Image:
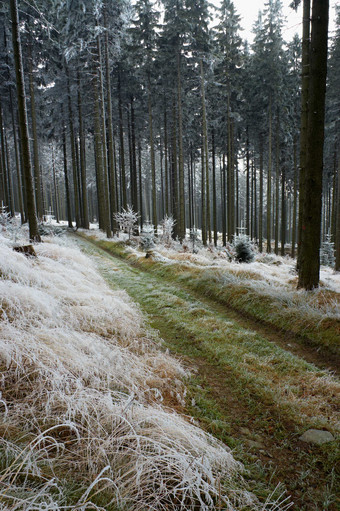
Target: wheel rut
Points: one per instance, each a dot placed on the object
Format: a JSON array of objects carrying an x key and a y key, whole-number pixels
[{"x": 256, "y": 428}]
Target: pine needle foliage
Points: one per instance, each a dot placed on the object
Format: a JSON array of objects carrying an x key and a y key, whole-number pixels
[{"x": 244, "y": 249}]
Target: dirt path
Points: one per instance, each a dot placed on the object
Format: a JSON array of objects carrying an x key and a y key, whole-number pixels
[{"x": 224, "y": 399}]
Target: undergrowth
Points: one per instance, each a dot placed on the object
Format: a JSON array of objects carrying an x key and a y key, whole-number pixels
[
  {"x": 85, "y": 394},
  {"x": 313, "y": 317}
]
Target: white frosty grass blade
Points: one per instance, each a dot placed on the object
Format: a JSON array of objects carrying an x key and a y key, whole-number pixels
[{"x": 82, "y": 387}]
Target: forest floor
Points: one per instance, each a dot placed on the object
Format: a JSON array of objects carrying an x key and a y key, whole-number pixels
[{"x": 252, "y": 385}]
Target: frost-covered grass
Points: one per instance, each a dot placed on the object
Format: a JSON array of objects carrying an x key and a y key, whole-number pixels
[
  {"x": 85, "y": 396},
  {"x": 264, "y": 289},
  {"x": 277, "y": 393}
]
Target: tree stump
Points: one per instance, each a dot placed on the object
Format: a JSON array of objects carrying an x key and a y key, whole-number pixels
[{"x": 27, "y": 250}]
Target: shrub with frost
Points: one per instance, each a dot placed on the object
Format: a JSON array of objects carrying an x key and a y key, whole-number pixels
[
  {"x": 167, "y": 224},
  {"x": 244, "y": 249},
  {"x": 327, "y": 257},
  {"x": 147, "y": 237},
  {"x": 127, "y": 220},
  {"x": 193, "y": 238}
]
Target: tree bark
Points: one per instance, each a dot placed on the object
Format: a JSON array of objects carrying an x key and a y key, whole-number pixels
[
  {"x": 25, "y": 149},
  {"x": 269, "y": 181},
  {"x": 85, "y": 214},
  {"x": 36, "y": 165},
  {"x": 309, "y": 264},
  {"x": 181, "y": 227},
  {"x": 305, "y": 64}
]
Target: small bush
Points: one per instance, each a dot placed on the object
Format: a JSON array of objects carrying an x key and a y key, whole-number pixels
[
  {"x": 168, "y": 227},
  {"x": 244, "y": 249},
  {"x": 147, "y": 239},
  {"x": 327, "y": 252},
  {"x": 127, "y": 220}
]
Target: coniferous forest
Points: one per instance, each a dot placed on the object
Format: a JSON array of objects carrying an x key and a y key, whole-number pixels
[{"x": 162, "y": 107}]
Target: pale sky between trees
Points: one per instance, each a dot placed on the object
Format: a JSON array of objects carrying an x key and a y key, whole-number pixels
[{"x": 248, "y": 10}]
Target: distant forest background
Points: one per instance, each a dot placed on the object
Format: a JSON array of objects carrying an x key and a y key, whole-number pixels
[{"x": 151, "y": 105}]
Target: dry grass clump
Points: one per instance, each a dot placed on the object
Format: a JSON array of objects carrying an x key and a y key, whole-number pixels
[{"x": 83, "y": 425}]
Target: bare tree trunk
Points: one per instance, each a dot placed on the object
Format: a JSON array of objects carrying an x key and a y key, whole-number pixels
[
  {"x": 181, "y": 209},
  {"x": 67, "y": 188},
  {"x": 248, "y": 230},
  {"x": 269, "y": 181},
  {"x": 121, "y": 145},
  {"x": 309, "y": 264},
  {"x": 214, "y": 187},
  {"x": 337, "y": 222},
  {"x": 305, "y": 64},
  {"x": 85, "y": 214},
  {"x": 295, "y": 198},
  {"x": 261, "y": 199},
  {"x": 153, "y": 163},
  {"x": 36, "y": 165},
  {"x": 25, "y": 149},
  {"x": 166, "y": 166}
]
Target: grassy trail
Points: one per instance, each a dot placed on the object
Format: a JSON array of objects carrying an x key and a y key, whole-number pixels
[{"x": 245, "y": 389}]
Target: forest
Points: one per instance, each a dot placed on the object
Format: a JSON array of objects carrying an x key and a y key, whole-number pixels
[
  {"x": 169, "y": 257},
  {"x": 163, "y": 108}
]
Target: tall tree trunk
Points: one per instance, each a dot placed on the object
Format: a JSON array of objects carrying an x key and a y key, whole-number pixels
[
  {"x": 337, "y": 221},
  {"x": 36, "y": 165},
  {"x": 295, "y": 197},
  {"x": 153, "y": 162},
  {"x": 3, "y": 165},
  {"x": 283, "y": 212},
  {"x": 67, "y": 188},
  {"x": 181, "y": 227},
  {"x": 255, "y": 201},
  {"x": 166, "y": 166},
  {"x": 248, "y": 231},
  {"x": 25, "y": 149},
  {"x": 214, "y": 187},
  {"x": 121, "y": 144},
  {"x": 305, "y": 65},
  {"x": 85, "y": 214},
  {"x": 309, "y": 264},
  {"x": 56, "y": 209},
  {"x": 141, "y": 208},
  {"x": 17, "y": 159},
  {"x": 277, "y": 187},
  {"x": 174, "y": 173},
  {"x": 230, "y": 201},
  {"x": 134, "y": 186},
  {"x": 103, "y": 138},
  {"x": 73, "y": 151},
  {"x": 98, "y": 143},
  {"x": 269, "y": 181},
  {"x": 261, "y": 199},
  {"x": 9, "y": 180},
  {"x": 203, "y": 197},
  {"x": 224, "y": 202},
  {"x": 110, "y": 142}
]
